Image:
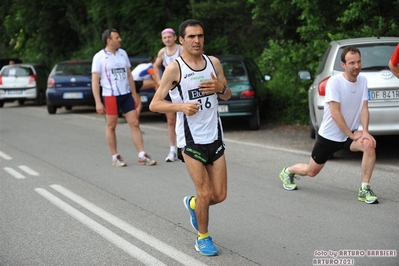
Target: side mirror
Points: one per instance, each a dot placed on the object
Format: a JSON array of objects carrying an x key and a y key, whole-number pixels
[{"x": 304, "y": 75}]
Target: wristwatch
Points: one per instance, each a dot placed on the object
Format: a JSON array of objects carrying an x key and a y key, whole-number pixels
[{"x": 224, "y": 90}]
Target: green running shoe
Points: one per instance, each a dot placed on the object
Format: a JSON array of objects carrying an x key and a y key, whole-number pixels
[
  {"x": 367, "y": 195},
  {"x": 288, "y": 180}
]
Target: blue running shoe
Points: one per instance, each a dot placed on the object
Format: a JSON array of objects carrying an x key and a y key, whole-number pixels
[
  {"x": 193, "y": 219},
  {"x": 206, "y": 247}
]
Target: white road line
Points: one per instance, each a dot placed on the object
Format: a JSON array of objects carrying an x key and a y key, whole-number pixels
[
  {"x": 381, "y": 166},
  {"x": 28, "y": 170},
  {"x": 118, "y": 241},
  {"x": 14, "y": 173},
  {"x": 393, "y": 167},
  {"x": 267, "y": 147},
  {"x": 128, "y": 228},
  {"x": 5, "y": 156}
]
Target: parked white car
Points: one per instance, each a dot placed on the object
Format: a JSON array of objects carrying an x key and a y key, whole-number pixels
[
  {"x": 382, "y": 84},
  {"x": 23, "y": 82}
]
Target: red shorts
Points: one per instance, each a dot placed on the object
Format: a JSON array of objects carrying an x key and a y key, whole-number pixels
[{"x": 114, "y": 103}]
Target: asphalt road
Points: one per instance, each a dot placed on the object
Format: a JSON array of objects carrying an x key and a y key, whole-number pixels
[{"x": 62, "y": 203}]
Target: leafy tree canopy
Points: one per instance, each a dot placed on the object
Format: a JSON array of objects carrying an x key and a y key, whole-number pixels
[{"x": 282, "y": 36}]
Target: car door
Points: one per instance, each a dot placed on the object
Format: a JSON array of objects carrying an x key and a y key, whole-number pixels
[{"x": 257, "y": 79}]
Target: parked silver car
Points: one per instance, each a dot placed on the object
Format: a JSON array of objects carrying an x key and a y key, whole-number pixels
[{"x": 382, "y": 84}]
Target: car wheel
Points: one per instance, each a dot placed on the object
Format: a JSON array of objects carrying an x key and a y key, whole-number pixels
[
  {"x": 21, "y": 102},
  {"x": 1, "y": 104},
  {"x": 51, "y": 109},
  {"x": 254, "y": 120},
  {"x": 68, "y": 107},
  {"x": 312, "y": 130}
]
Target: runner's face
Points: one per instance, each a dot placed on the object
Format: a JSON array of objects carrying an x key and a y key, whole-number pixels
[
  {"x": 353, "y": 64},
  {"x": 193, "y": 40},
  {"x": 168, "y": 39},
  {"x": 115, "y": 40}
]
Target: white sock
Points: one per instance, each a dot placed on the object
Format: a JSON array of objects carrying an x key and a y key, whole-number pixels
[
  {"x": 173, "y": 149},
  {"x": 114, "y": 156},
  {"x": 364, "y": 184},
  {"x": 141, "y": 154},
  {"x": 286, "y": 171}
]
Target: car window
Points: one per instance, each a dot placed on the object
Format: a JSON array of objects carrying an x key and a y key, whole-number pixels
[
  {"x": 134, "y": 64},
  {"x": 17, "y": 71},
  {"x": 254, "y": 71},
  {"x": 374, "y": 56},
  {"x": 83, "y": 69},
  {"x": 323, "y": 60},
  {"x": 136, "y": 61},
  {"x": 234, "y": 71}
]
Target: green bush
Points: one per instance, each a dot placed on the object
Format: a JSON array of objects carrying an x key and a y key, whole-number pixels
[{"x": 288, "y": 101}]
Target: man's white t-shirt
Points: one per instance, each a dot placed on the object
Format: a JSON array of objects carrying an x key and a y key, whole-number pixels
[
  {"x": 113, "y": 72},
  {"x": 351, "y": 96}
]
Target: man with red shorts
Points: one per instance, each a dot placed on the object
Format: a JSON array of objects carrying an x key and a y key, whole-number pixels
[{"x": 111, "y": 70}]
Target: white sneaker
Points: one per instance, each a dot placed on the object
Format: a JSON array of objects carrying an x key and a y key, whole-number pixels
[
  {"x": 118, "y": 162},
  {"x": 171, "y": 157},
  {"x": 146, "y": 160}
]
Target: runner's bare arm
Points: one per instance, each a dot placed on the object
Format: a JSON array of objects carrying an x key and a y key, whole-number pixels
[
  {"x": 95, "y": 81},
  {"x": 169, "y": 80},
  {"x": 218, "y": 82},
  {"x": 158, "y": 65}
]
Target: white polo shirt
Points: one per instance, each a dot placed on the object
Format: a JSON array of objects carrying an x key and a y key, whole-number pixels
[{"x": 113, "y": 70}]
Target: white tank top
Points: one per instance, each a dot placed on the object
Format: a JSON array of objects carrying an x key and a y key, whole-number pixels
[
  {"x": 167, "y": 60},
  {"x": 205, "y": 126}
]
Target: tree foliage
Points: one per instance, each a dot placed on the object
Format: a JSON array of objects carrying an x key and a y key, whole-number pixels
[{"x": 282, "y": 36}]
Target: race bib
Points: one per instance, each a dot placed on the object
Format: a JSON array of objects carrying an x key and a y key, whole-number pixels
[
  {"x": 207, "y": 101},
  {"x": 119, "y": 73}
]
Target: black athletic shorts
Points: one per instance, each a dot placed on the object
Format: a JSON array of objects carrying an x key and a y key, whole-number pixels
[
  {"x": 205, "y": 153},
  {"x": 139, "y": 85},
  {"x": 325, "y": 148}
]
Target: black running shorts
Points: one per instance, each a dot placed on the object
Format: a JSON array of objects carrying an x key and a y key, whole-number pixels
[
  {"x": 325, "y": 148},
  {"x": 205, "y": 153}
]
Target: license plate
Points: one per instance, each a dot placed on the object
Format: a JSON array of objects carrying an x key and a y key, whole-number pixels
[
  {"x": 223, "y": 108},
  {"x": 14, "y": 92},
  {"x": 144, "y": 98},
  {"x": 72, "y": 95},
  {"x": 387, "y": 95}
]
